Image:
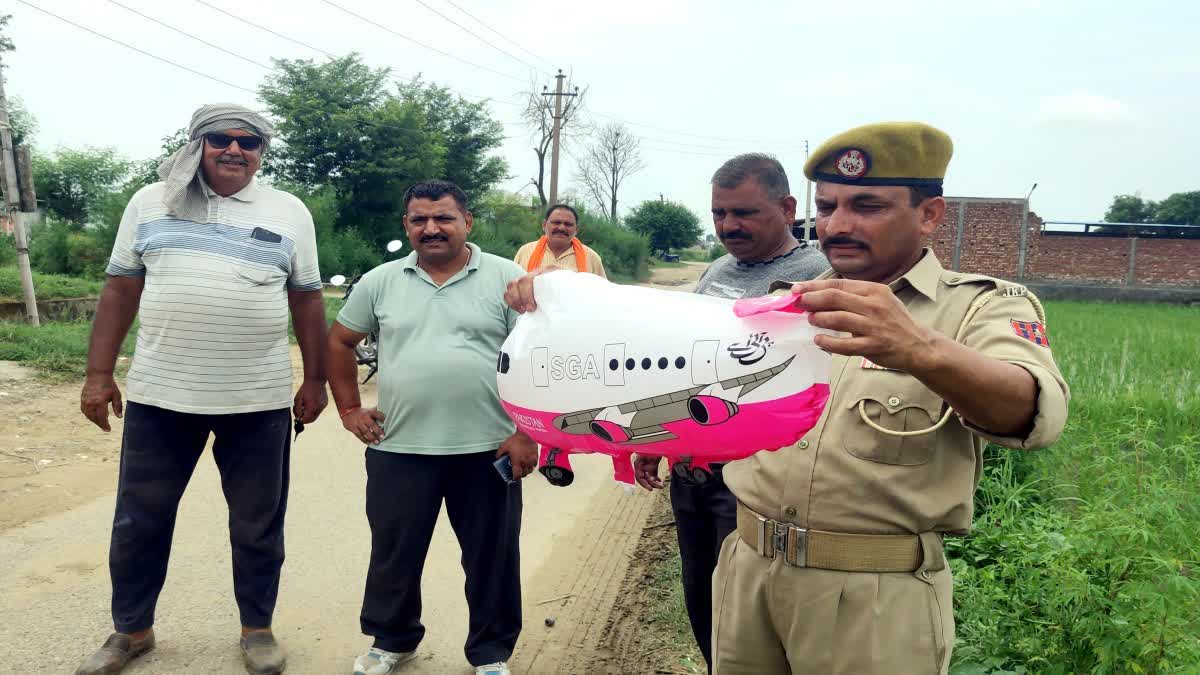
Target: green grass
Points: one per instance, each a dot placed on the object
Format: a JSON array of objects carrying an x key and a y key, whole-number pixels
[
  {"x": 671, "y": 613},
  {"x": 1084, "y": 556},
  {"x": 47, "y": 286},
  {"x": 57, "y": 350}
]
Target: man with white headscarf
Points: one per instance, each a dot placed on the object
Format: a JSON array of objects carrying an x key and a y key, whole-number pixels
[{"x": 211, "y": 262}]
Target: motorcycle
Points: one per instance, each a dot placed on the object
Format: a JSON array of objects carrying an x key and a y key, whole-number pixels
[{"x": 366, "y": 352}]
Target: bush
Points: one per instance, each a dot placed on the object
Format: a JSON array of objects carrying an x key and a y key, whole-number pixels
[
  {"x": 626, "y": 254},
  {"x": 8, "y": 250},
  {"x": 503, "y": 223},
  {"x": 718, "y": 250},
  {"x": 1084, "y": 556},
  {"x": 47, "y": 286},
  {"x": 346, "y": 253},
  {"x": 339, "y": 251},
  {"x": 1104, "y": 584}
]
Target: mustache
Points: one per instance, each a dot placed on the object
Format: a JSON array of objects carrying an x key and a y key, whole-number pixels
[
  {"x": 735, "y": 234},
  {"x": 562, "y": 232},
  {"x": 839, "y": 240},
  {"x": 434, "y": 237}
]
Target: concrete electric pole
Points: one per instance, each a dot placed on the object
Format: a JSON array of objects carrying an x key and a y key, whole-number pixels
[
  {"x": 12, "y": 205},
  {"x": 558, "y": 96}
]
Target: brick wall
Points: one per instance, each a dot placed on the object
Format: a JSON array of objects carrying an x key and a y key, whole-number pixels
[
  {"x": 988, "y": 242},
  {"x": 1168, "y": 262},
  {"x": 1077, "y": 259}
]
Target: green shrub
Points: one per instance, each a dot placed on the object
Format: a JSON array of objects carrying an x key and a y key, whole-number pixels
[
  {"x": 47, "y": 286},
  {"x": 8, "y": 250},
  {"x": 503, "y": 223},
  {"x": 717, "y": 250},
  {"x": 1084, "y": 557}
]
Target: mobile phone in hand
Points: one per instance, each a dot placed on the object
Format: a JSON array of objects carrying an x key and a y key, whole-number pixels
[{"x": 504, "y": 468}]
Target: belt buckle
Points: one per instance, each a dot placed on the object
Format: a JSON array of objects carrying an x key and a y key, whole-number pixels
[
  {"x": 779, "y": 540},
  {"x": 769, "y": 534}
]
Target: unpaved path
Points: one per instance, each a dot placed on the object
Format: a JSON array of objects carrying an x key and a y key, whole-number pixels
[{"x": 57, "y": 481}]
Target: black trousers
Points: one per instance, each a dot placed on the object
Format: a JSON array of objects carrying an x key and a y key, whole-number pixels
[
  {"x": 704, "y": 516},
  {"x": 159, "y": 451},
  {"x": 404, "y": 496}
]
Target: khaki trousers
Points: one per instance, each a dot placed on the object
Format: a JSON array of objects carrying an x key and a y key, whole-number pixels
[{"x": 769, "y": 617}]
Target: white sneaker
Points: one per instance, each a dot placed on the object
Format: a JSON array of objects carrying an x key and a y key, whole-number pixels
[
  {"x": 379, "y": 662},
  {"x": 500, "y": 668}
]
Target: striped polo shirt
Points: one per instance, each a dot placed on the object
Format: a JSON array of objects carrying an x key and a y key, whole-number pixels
[{"x": 214, "y": 311}]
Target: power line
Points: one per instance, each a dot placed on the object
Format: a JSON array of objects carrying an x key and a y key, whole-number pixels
[
  {"x": 141, "y": 51},
  {"x": 418, "y": 43},
  {"x": 278, "y": 35},
  {"x": 509, "y": 40},
  {"x": 480, "y": 37},
  {"x": 185, "y": 33},
  {"x": 216, "y": 79},
  {"x": 331, "y": 55}
]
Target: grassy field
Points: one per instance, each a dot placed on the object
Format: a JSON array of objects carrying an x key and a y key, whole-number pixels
[
  {"x": 1085, "y": 557},
  {"x": 58, "y": 350},
  {"x": 47, "y": 286}
]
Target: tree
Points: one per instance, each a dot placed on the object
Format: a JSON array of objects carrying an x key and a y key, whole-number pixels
[
  {"x": 145, "y": 172},
  {"x": 1130, "y": 209},
  {"x": 667, "y": 224},
  {"x": 539, "y": 116},
  {"x": 467, "y": 131},
  {"x": 6, "y": 43},
  {"x": 325, "y": 113},
  {"x": 24, "y": 125},
  {"x": 1181, "y": 208},
  {"x": 607, "y": 163},
  {"x": 75, "y": 183},
  {"x": 340, "y": 126}
]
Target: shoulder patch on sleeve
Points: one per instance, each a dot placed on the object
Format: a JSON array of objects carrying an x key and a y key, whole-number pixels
[
  {"x": 1034, "y": 331},
  {"x": 1015, "y": 291}
]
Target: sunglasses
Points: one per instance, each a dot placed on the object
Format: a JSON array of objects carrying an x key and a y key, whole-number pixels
[{"x": 222, "y": 141}]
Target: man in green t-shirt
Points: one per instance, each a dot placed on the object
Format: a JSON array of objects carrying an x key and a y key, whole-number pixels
[{"x": 437, "y": 430}]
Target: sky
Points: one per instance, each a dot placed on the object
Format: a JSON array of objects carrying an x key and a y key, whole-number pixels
[{"x": 1085, "y": 99}]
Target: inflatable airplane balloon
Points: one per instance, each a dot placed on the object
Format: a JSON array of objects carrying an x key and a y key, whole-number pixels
[{"x": 606, "y": 368}]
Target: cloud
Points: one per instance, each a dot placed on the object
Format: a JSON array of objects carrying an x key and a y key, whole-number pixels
[{"x": 1084, "y": 108}]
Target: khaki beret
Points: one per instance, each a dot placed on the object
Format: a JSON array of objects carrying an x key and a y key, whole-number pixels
[{"x": 888, "y": 153}]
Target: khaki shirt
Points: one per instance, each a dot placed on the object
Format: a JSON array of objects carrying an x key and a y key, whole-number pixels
[
  {"x": 843, "y": 476},
  {"x": 566, "y": 261}
]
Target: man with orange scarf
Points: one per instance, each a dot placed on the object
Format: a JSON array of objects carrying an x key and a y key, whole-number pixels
[{"x": 559, "y": 247}]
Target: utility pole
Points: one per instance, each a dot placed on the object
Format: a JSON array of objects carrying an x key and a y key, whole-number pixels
[
  {"x": 12, "y": 205},
  {"x": 558, "y": 94},
  {"x": 807, "y": 199}
]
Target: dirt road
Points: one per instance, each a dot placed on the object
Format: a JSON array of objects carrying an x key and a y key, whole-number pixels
[{"x": 57, "y": 476}]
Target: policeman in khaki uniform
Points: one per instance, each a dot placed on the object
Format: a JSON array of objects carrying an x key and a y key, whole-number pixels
[{"x": 837, "y": 565}]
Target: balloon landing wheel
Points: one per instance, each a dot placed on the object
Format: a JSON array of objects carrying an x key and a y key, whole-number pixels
[{"x": 558, "y": 476}]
